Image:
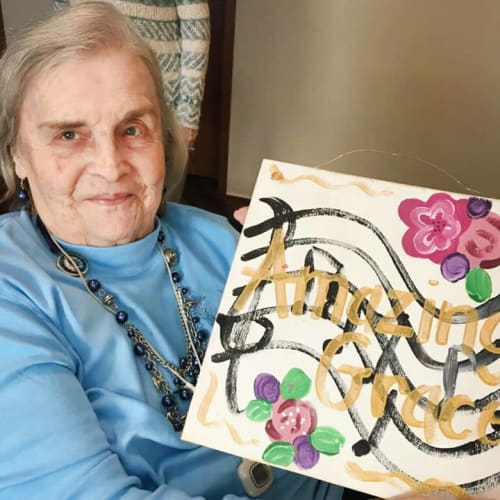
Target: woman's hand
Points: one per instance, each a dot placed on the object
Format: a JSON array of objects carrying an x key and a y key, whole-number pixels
[{"x": 241, "y": 214}]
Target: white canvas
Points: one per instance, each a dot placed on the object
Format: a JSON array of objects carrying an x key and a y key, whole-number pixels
[{"x": 307, "y": 367}]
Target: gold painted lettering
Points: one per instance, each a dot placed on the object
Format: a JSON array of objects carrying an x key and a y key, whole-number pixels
[
  {"x": 486, "y": 418},
  {"x": 381, "y": 385},
  {"x": 274, "y": 259},
  {"x": 323, "y": 283},
  {"x": 426, "y": 319},
  {"x": 448, "y": 411},
  {"x": 358, "y": 374},
  {"x": 486, "y": 376},
  {"x": 300, "y": 280},
  {"x": 445, "y": 318},
  {"x": 388, "y": 325},
  {"x": 430, "y": 421},
  {"x": 359, "y": 296},
  {"x": 486, "y": 335}
]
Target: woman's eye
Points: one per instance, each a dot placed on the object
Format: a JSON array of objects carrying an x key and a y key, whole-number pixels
[
  {"x": 132, "y": 131},
  {"x": 68, "y": 135}
]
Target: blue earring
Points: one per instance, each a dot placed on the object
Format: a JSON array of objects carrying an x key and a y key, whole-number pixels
[{"x": 22, "y": 194}]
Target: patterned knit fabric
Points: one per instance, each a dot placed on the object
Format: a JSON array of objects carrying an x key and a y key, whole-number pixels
[{"x": 179, "y": 33}]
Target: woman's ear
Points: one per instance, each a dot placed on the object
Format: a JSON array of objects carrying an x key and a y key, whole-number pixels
[{"x": 17, "y": 160}]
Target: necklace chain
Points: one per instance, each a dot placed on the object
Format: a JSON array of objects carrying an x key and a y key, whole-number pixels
[{"x": 186, "y": 373}]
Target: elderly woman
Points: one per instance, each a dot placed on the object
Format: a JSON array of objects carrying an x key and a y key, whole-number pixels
[{"x": 106, "y": 296}]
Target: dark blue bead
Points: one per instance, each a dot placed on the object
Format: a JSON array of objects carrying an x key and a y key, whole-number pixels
[
  {"x": 148, "y": 366},
  {"x": 168, "y": 401},
  {"x": 183, "y": 362},
  {"x": 121, "y": 317},
  {"x": 195, "y": 320},
  {"x": 185, "y": 394},
  {"x": 130, "y": 333},
  {"x": 93, "y": 285},
  {"x": 161, "y": 236},
  {"x": 178, "y": 381},
  {"x": 139, "y": 349},
  {"x": 184, "y": 291},
  {"x": 177, "y": 425},
  {"x": 201, "y": 335},
  {"x": 196, "y": 370},
  {"x": 22, "y": 195},
  {"x": 176, "y": 277}
]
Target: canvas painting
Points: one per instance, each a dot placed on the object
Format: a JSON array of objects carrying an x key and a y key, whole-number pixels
[{"x": 357, "y": 340}]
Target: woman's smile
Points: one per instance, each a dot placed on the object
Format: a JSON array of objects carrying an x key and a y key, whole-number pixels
[{"x": 111, "y": 199}]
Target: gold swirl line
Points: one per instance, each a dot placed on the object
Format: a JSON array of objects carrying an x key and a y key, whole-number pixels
[
  {"x": 430, "y": 485},
  {"x": 202, "y": 414},
  {"x": 277, "y": 175}
]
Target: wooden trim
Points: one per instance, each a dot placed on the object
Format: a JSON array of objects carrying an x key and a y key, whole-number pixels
[
  {"x": 209, "y": 159},
  {"x": 2, "y": 32},
  {"x": 227, "y": 77}
]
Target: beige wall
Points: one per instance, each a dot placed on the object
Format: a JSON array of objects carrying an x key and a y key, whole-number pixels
[
  {"x": 18, "y": 13},
  {"x": 317, "y": 78}
]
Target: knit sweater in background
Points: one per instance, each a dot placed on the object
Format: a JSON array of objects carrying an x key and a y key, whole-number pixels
[{"x": 179, "y": 33}]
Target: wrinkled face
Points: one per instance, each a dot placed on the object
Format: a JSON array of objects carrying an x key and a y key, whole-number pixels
[{"x": 90, "y": 144}]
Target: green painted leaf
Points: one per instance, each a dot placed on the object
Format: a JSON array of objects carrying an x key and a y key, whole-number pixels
[
  {"x": 259, "y": 410},
  {"x": 478, "y": 284},
  {"x": 327, "y": 440},
  {"x": 279, "y": 453},
  {"x": 295, "y": 385}
]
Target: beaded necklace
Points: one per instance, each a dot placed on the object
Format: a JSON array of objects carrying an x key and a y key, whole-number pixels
[{"x": 185, "y": 374}]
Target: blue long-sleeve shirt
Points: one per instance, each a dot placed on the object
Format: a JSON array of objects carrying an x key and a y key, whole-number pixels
[{"x": 79, "y": 415}]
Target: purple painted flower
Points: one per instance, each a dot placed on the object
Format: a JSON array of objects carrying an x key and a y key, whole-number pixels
[
  {"x": 434, "y": 226},
  {"x": 455, "y": 267},
  {"x": 291, "y": 422},
  {"x": 266, "y": 386},
  {"x": 478, "y": 207},
  {"x": 291, "y": 419},
  {"x": 306, "y": 456}
]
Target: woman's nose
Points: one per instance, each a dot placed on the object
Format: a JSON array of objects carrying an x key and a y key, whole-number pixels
[{"x": 110, "y": 161}]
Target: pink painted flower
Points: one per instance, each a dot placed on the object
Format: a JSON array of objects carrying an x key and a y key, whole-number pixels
[
  {"x": 481, "y": 242},
  {"x": 434, "y": 226},
  {"x": 291, "y": 419}
]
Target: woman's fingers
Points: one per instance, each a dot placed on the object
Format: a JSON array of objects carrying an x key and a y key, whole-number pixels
[{"x": 241, "y": 214}]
